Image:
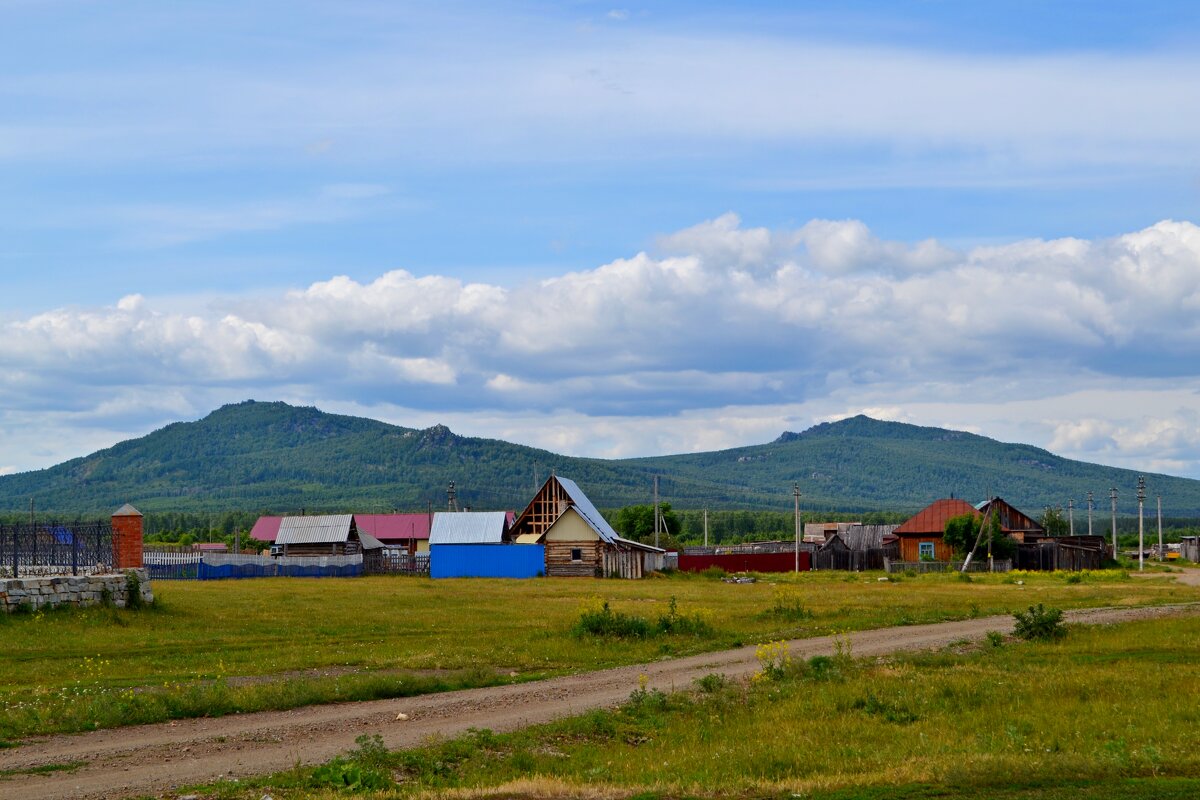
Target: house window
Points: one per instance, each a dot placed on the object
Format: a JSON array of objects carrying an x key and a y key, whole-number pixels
[
  {"x": 926, "y": 551},
  {"x": 577, "y": 554}
]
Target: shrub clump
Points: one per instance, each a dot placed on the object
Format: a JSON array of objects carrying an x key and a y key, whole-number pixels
[
  {"x": 788, "y": 605},
  {"x": 1040, "y": 624},
  {"x": 603, "y": 621},
  {"x": 133, "y": 591},
  {"x": 364, "y": 769},
  {"x": 606, "y": 622}
]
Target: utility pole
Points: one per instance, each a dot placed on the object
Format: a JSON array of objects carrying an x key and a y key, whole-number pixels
[
  {"x": 656, "y": 511},
  {"x": 1141, "y": 489},
  {"x": 1161, "y": 552},
  {"x": 1089, "y": 513},
  {"x": 796, "y": 497},
  {"x": 1071, "y": 514},
  {"x": 451, "y": 498},
  {"x": 706, "y": 527},
  {"x": 1113, "y": 493}
]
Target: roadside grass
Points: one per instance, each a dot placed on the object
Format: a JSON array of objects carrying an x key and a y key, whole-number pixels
[
  {"x": 1104, "y": 713},
  {"x": 42, "y": 769},
  {"x": 213, "y": 648}
]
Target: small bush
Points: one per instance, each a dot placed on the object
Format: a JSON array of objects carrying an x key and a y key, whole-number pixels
[
  {"x": 1039, "y": 624},
  {"x": 133, "y": 590},
  {"x": 712, "y": 682},
  {"x": 364, "y": 769},
  {"x": 603, "y": 621},
  {"x": 910, "y": 573},
  {"x": 774, "y": 661},
  {"x": 106, "y": 598},
  {"x": 615, "y": 624},
  {"x": 994, "y": 638},
  {"x": 714, "y": 573},
  {"x": 788, "y": 605},
  {"x": 689, "y": 624},
  {"x": 1074, "y": 577},
  {"x": 823, "y": 668}
]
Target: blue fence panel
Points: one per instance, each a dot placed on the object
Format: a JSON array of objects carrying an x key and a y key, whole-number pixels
[
  {"x": 216, "y": 572},
  {"x": 487, "y": 560}
]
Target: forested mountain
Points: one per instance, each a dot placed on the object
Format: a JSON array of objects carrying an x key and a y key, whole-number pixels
[{"x": 256, "y": 456}]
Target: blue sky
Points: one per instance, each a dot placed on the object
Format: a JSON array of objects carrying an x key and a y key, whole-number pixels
[{"x": 603, "y": 228}]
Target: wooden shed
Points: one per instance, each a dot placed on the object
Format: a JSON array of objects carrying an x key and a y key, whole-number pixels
[
  {"x": 328, "y": 535},
  {"x": 579, "y": 542},
  {"x": 1014, "y": 523}
]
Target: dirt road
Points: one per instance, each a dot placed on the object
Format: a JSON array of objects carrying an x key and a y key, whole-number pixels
[{"x": 155, "y": 759}]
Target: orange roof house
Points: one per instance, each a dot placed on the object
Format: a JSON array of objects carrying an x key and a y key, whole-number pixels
[{"x": 921, "y": 535}]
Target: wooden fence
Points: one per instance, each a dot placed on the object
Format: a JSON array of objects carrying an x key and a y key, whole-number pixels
[
  {"x": 854, "y": 560},
  {"x": 977, "y": 565},
  {"x": 1049, "y": 554}
]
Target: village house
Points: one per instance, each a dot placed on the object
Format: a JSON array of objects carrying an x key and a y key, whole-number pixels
[
  {"x": 578, "y": 540},
  {"x": 921, "y": 536},
  {"x": 328, "y": 535}
]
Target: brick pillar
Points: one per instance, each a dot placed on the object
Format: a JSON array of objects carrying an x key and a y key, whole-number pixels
[{"x": 127, "y": 538}]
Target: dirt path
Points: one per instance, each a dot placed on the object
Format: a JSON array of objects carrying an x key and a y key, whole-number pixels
[{"x": 154, "y": 759}]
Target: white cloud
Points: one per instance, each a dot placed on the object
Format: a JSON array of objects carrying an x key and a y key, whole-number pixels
[{"x": 724, "y": 336}]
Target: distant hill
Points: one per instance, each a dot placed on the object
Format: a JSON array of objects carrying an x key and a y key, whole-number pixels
[{"x": 256, "y": 456}]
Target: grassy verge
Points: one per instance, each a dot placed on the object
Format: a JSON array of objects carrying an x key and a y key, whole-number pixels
[
  {"x": 217, "y": 647},
  {"x": 1101, "y": 714}
]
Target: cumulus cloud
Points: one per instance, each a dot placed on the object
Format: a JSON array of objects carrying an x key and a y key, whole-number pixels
[{"x": 826, "y": 316}]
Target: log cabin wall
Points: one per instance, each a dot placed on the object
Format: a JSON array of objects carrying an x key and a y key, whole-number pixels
[
  {"x": 323, "y": 549},
  {"x": 560, "y": 561}
]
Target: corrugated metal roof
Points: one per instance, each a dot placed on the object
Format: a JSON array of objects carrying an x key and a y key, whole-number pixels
[
  {"x": 591, "y": 516},
  {"x": 315, "y": 530},
  {"x": 468, "y": 527}
]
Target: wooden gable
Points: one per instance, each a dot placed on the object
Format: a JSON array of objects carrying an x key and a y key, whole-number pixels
[
  {"x": 546, "y": 507},
  {"x": 1013, "y": 520}
]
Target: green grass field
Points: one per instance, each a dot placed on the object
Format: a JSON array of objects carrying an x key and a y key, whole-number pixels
[
  {"x": 217, "y": 647},
  {"x": 1107, "y": 713}
]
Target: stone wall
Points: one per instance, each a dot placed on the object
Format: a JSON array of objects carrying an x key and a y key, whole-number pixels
[{"x": 71, "y": 590}]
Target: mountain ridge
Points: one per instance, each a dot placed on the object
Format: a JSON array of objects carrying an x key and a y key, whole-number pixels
[{"x": 272, "y": 456}]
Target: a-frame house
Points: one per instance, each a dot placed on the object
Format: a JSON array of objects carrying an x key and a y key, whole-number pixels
[{"x": 579, "y": 542}]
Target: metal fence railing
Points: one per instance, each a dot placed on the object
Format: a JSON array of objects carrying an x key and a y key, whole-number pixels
[{"x": 56, "y": 548}]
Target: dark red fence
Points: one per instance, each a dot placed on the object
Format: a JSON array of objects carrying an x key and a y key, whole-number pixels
[{"x": 745, "y": 562}]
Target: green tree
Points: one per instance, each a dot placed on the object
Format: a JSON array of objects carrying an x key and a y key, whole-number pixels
[
  {"x": 637, "y": 523},
  {"x": 1054, "y": 522},
  {"x": 962, "y": 532}
]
